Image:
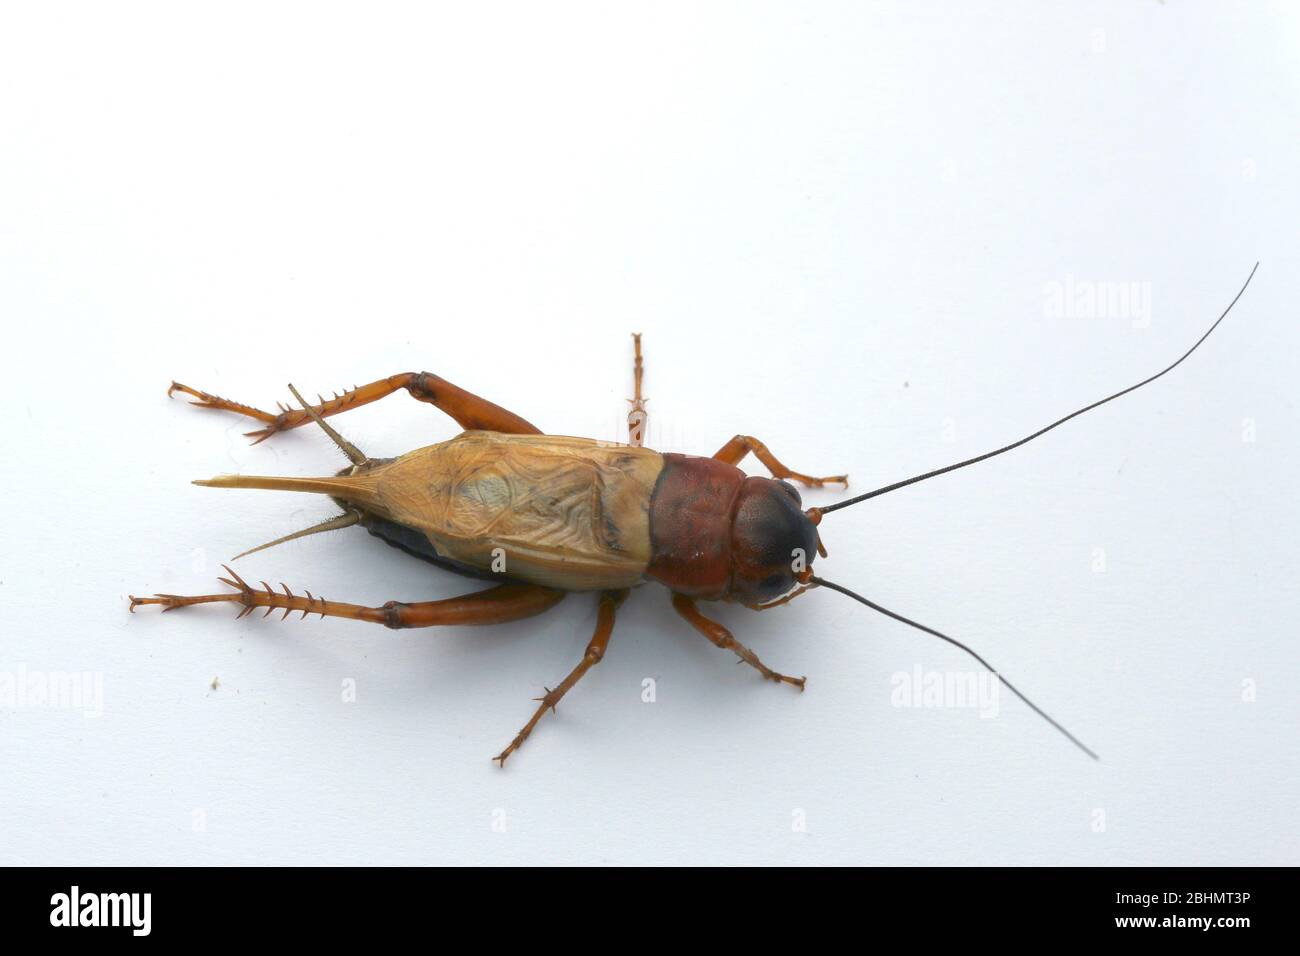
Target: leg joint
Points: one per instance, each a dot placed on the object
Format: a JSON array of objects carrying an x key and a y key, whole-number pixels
[
  {"x": 421, "y": 386},
  {"x": 393, "y": 614}
]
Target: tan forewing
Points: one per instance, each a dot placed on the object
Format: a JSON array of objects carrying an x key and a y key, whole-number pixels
[{"x": 565, "y": 512}]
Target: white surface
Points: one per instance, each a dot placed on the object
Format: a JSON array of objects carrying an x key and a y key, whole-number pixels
[{"x": 837, "y": 228}]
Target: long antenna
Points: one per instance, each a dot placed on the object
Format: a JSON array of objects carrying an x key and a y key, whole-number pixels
[
  {"x": 822, "y": 582},
  {"x": 1042, "y": 431}
]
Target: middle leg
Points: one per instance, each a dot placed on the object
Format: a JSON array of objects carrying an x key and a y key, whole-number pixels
[
  {"x": 636, "y": 416},
  {"x": 609, "y": 602}
]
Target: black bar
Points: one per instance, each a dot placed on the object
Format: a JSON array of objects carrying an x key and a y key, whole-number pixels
[{"x": 334, "y": 906}]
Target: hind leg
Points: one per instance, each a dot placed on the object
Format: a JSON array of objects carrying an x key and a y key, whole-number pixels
[
  {"x": 466, "y": 408},
  {"x": 495, "y": 605}
]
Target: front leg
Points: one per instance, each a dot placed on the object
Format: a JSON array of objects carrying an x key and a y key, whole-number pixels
[
  {"x": 723, "y": 638},
  {"x": 741, "y": 445}
]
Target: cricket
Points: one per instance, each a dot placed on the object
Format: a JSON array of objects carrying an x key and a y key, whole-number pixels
[{"x": 543, "y": 515}]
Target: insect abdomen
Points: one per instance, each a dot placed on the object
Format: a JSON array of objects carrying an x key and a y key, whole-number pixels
[{"x": 418, "y": 545}]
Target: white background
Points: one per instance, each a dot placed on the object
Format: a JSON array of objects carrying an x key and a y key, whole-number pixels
[{"x": 838, "y": 227}]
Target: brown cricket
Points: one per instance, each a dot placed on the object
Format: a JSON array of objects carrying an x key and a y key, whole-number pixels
[{"x": 542, "y": 515}]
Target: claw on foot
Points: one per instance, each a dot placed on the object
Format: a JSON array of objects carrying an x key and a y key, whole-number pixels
[
  {"x": 783, "y": 679},
  {"x": 208, "y": 400},
  {"x": 169, "y": 602},
  {"x": 203, "y": 398}
]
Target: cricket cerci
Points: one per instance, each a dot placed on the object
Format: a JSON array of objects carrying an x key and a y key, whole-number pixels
[{"x": 542, "y": 515}]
